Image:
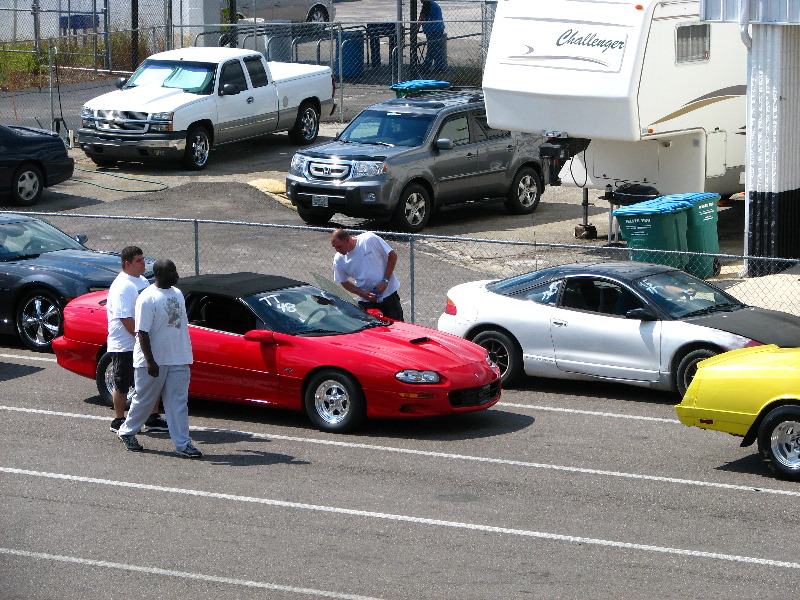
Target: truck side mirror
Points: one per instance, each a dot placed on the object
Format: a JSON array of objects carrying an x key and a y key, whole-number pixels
[
  {"x": 120, "y": 82},
  {"x": 444, "y": 144},
  {"x": 229, "y": 89}
]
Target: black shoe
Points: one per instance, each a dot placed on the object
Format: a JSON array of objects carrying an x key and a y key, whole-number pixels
[
  {"x": 189, "y": 452},
  {"x": 131, "y": 443},
  {"x": 155, "y": 423},
  {"x": 116, "y": 424}
]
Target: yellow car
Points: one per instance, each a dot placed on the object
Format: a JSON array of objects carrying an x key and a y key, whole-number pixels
[{"x": 753, "y": 393}]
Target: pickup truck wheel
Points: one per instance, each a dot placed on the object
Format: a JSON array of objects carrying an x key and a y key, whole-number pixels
[
  {"x": 306, "y": 128},
  {"x": 524, "y": 195},
  {"x": 198, "y": 147},
  {"x": 26, "y": 185},
  {"x": 413, "y": 209},
  {"x": 315, "y": 217}
]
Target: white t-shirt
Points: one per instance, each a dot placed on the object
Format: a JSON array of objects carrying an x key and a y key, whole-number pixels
[
  {"x": 366, "y": 264},
  {"x": 121, "y": 304},
  {"x": 162, "y": 314}
]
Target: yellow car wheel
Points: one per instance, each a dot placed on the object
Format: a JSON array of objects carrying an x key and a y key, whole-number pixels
[{"x": 779, "y": 442}]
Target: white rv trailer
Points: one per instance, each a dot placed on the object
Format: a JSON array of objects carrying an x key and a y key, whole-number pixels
[{"x": 659, "y": 96}]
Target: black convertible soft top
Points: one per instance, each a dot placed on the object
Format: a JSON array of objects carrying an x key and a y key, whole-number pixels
[{"x": 235, "y": 285}]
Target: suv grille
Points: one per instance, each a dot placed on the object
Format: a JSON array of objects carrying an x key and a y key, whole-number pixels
[
  {"x": 322, "y": 169},
  {"x": 475, "y": 396},
  {"x": 121, "y": 120}
]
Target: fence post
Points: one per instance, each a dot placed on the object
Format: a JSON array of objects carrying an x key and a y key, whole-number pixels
[
  {"x": 411, "y": 276},
  {"x": 196, "y": 248},
  {"x": 50, "y": 63}
]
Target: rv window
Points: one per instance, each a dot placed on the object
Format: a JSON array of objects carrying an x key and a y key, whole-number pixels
[{"x": 692, "y": 43}]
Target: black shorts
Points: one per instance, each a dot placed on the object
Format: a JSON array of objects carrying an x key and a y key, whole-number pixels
[{"x": 122, "y": 368}]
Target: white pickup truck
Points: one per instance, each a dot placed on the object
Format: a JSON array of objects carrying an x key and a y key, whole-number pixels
[{"x": 181, "y": 103}]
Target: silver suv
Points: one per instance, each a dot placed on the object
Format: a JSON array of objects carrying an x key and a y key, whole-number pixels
[{"x": 406, "y": 157}]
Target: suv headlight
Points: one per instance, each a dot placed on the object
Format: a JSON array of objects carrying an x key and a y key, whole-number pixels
[
  {"x": 298, "y": 166},
  {"x": 86, "y": 117},
  {"x": 368, "y": 168},
  {"x": 164, "y": 121},
  {"x": 414, "y": 376}
]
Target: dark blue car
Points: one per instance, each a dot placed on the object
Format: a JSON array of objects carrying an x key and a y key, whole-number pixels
[
  {"x": 41, "y": 269},
  {"x": 31, "y": 160}
]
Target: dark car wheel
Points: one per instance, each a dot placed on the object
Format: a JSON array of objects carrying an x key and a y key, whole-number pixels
[
  {"x": 504, "y": 352},
  {"x": 315, "y": 217},
  {"x": 104, "y": 378},
  {"x": 687, "y": 367},
  {"x": 413, "y": 209},
  {"x": 26, "y": 185},
  {"x": 779, "y": 442},
  {"x": 317, "y": 15},
  {"x": 306, "y": 127},
  {"x": 39, "y": 320},
  {"x": 198, "y": 148},
  {"x": 334, "y": 401},
  {"x": 525, "y": 192}
]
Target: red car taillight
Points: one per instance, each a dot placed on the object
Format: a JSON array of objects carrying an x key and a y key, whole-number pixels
[{"x": 450, "y": 309}]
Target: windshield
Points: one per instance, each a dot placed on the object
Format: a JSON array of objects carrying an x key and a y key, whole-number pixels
[
  {"x": 191, "y": 77},
  {"x": 306, "y": 310},
  {"x": 388, "y": 128},
  {"x": 682, "y": 295},
  {"x": 26, "y": 238}
]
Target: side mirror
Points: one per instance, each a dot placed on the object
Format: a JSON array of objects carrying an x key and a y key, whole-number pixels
[
  {"x": 338, "y": 134},
  {"x": 80, "y": 238},
  {"x": 120, "y": 82},
  {"x": 642, "y": 314},
  {"x": 262, "y": 336},
  {"x": 444, "y": 144},
  {"x": 229, "y": 89},
  {"x": 376, "y": 312}
]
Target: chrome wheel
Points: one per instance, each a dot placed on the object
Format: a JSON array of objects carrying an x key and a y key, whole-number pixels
[
  {"x": 334, "y": 401},
  {"x": 524, "y": 196},
  {"x": 39, "y": 320},
  {"x": 198, "y": 148},
  {"x": 413, "y": 209},
  {"x": 317, "y": 15},
  {"x": 785, "y": 444},
  {"x": 306, "y": 127}
]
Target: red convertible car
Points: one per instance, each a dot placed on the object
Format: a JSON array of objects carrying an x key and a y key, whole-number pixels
[{"x": 265, "y": 339}]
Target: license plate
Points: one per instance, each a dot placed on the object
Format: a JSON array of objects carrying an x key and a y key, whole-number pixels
[{"x": 319, "y": 201}]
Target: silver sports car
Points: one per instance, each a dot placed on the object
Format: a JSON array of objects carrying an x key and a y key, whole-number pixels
[{"x": 642, "y": 324}]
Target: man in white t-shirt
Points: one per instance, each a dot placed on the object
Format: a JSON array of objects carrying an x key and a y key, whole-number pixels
[
  {"x": 161, "y": 359},
  {"x": 120, "y": 307},
  {"x": 370, "y": 262}
]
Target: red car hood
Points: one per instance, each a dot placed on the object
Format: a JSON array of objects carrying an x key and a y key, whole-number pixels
[{"x": 412, "y": 346}]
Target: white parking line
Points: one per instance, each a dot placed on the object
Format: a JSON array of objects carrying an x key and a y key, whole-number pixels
[
  {"x": 26, "y": 357},
  {"x": 586, "y": 412},
  {"x": 410, "y": 519},
  {"x": 183, "y": 574},
  {"x": 450, "y": 456}
]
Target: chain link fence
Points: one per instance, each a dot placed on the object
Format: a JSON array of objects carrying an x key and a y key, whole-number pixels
[
  {"x": 44, "y": 80},
  {"x": 427, "y": 265}
]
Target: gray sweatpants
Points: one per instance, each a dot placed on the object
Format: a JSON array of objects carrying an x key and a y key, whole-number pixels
[{"x": 172, "y": 384}]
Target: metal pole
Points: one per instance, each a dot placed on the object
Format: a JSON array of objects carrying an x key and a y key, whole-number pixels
[
  {"x": 36, "y": 32},
  {"x": 52, "y": 91},
  {"x": 196, "y": 248},
  {"x": 411, "y": 276},
  {"x": 400, "y": 39},
  {"x": 134, "y": 34},
  {"x": 106, "y": 37}
]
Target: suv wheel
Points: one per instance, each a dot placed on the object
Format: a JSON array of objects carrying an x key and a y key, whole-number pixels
[
  {"x": 413, "y": 209},
  {"x": 524, "y": 195}
]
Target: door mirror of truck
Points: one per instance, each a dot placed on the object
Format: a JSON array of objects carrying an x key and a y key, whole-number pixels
[
  {"x": 120, "y": 82},
  {"x": 444, "y": 144},
  {"x": 229, "y": 89}
]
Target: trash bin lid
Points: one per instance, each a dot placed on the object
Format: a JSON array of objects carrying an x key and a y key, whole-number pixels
[
  {"x": 693, "y": 197},
  {"x": 655, "y": 206}
]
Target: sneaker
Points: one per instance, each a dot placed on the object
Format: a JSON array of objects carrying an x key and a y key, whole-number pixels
[
  {"x": 131, "y": 443},
  {"x": 116, "y": 424},
  {"x": 189, "y": 452},
  {"x": 155, "y": 423}
]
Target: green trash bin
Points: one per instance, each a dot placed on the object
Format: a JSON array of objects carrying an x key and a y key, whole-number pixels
[
  {"x": 701, "y": 233},
  {"x": 655, "y": 225}
]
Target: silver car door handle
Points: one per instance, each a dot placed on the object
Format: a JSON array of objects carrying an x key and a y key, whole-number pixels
[
  {"x": 250, "y": 100},
  {"x": 559, "y": 323}
]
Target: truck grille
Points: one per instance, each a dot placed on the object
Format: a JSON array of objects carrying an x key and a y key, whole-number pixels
[
  {"x": 475, "y": 396},
  {"x": 335, "y": 171},
  {"x": 121, "y": 120}
]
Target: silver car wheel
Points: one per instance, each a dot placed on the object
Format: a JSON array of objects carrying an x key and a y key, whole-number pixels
[
  {"x": 39, "y": 320},
  {"x": 415, "y": 209},
  {"x": 332, "y": 401},
  {"x": 527, "y": 191},
  {"x": 785, "y": 444},
  {"x": 28, "y": 185},
  {"x": 317, "y": 15}
]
